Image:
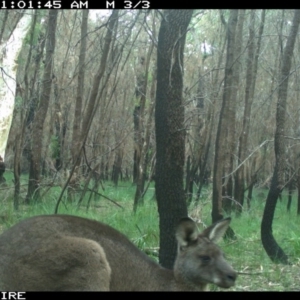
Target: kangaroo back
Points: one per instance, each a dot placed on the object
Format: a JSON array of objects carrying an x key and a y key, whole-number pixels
[{"x": 68, "y": 253}]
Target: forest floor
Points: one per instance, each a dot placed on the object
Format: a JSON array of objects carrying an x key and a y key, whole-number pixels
[{"x": 245, "y": 254}]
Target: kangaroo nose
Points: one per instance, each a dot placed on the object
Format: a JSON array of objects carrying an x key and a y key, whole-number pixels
[{"x": 232, "y": 276}]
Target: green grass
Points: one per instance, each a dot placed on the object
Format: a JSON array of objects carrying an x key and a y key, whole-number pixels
[{"x": 246, "y": 254}]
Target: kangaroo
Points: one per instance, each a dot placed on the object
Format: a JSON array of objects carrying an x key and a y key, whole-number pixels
[{"x": 69, "y": 253}]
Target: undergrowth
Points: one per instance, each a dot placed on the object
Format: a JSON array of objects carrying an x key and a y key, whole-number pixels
[{"x": 246, "y": 253}]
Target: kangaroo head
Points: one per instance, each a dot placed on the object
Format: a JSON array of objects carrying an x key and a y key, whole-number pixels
[{"x": 199, "y": 260}]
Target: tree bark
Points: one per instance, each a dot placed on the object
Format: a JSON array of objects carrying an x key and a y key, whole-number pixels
[
  {"x": 273, "y": 250},
  {"x": 19, "y": 139},
  {"x": 290, "y": 191},
  {"x": 199, "y": 131},
  {"x": 143, "y": 132},
  {"x": 252, "y": 62},
  {"x": 44, "y": 99},
  {"x": 298, "y": 196},
  {"x": 92, "y": 103},
  {"x": 80, "y": 86},
  {"x": 230, "y": 114},
  {"x": 117, "y": 166},
  {"x": 169, "y": 129},
  {"x": 219, "y": 162}
]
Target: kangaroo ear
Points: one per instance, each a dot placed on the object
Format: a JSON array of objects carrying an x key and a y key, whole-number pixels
[
  {"x": 217, "y": 230},
  {"x": 186, "y": 232}
]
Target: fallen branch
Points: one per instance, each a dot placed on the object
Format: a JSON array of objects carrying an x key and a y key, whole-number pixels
[{"x": 105, "y": 197}]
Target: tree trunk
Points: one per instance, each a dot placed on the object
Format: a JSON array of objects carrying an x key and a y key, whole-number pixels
[
  {"x": 116, "y": 171},
  {"x": 252, "y": 62},
  {"x": 144, "y": 160},
  {"x": 230, "y": 115},
  {"x": 142, "y": 132},
  {"x": 32, "y": 81},
  {"x": 205, "y": 171},
  {"x": 136, "y": 154},
  {"x": 2, "y": 170},
  {"x": 92, "y": 103},
  {"x": 13, "y": 32},
  {"x": 169, "y": 129},
  {"x": 298, "y": 198},
  {"x": 19, "y": 139},
  {"x": 219, "y": 162},
  {"x": 140, "y": 184},
  {"x": 290, "y": 193},
  {"x": 273, "y": 250},
  {"x": 80, "y": 86},
  {"x": 38, "y": 125},
  {"x": 94, "y": 98},
  {"x": 200, "y": 131}
]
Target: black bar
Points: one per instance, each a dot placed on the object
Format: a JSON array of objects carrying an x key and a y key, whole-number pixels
[
  {"x": 102, "y": 4},
  {"x": 111, "y": 295},
  {"x": 124, "y": 4}
]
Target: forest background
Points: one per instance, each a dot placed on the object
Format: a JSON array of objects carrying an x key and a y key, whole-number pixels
[{"x": 86, "y": 114}]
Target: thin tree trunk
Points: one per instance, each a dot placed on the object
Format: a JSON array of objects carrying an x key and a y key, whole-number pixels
[
  {"x": 94, "y": 98},
  {"x": 290, "y": 194},
  {"x": 92, "y": 103},
  {"x": 199, "y": 131},
  {"x": 230, "y": 115},
  {"x": 116, "y": 171},
  {"x": 38, "y": 125},
  {"x": 142, "y": 134},
  {"x": 143, "y": 160},
  {"x": 210, "y": 120},
  {"x": 80, "y": 86},
  {"x": 252, "y": 62},
  {"x": 19, "y": 140},
  {"x": 273, "y": 250},
  {"x": 219, "y": 162},
  {"x": 3, "y": 25},
  {"x": 139, "y": 115},
  {"x": 298, "y": 198}
]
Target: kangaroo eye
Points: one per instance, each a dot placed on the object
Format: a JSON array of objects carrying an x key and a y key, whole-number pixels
[{"x": 205, "y": 259}]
